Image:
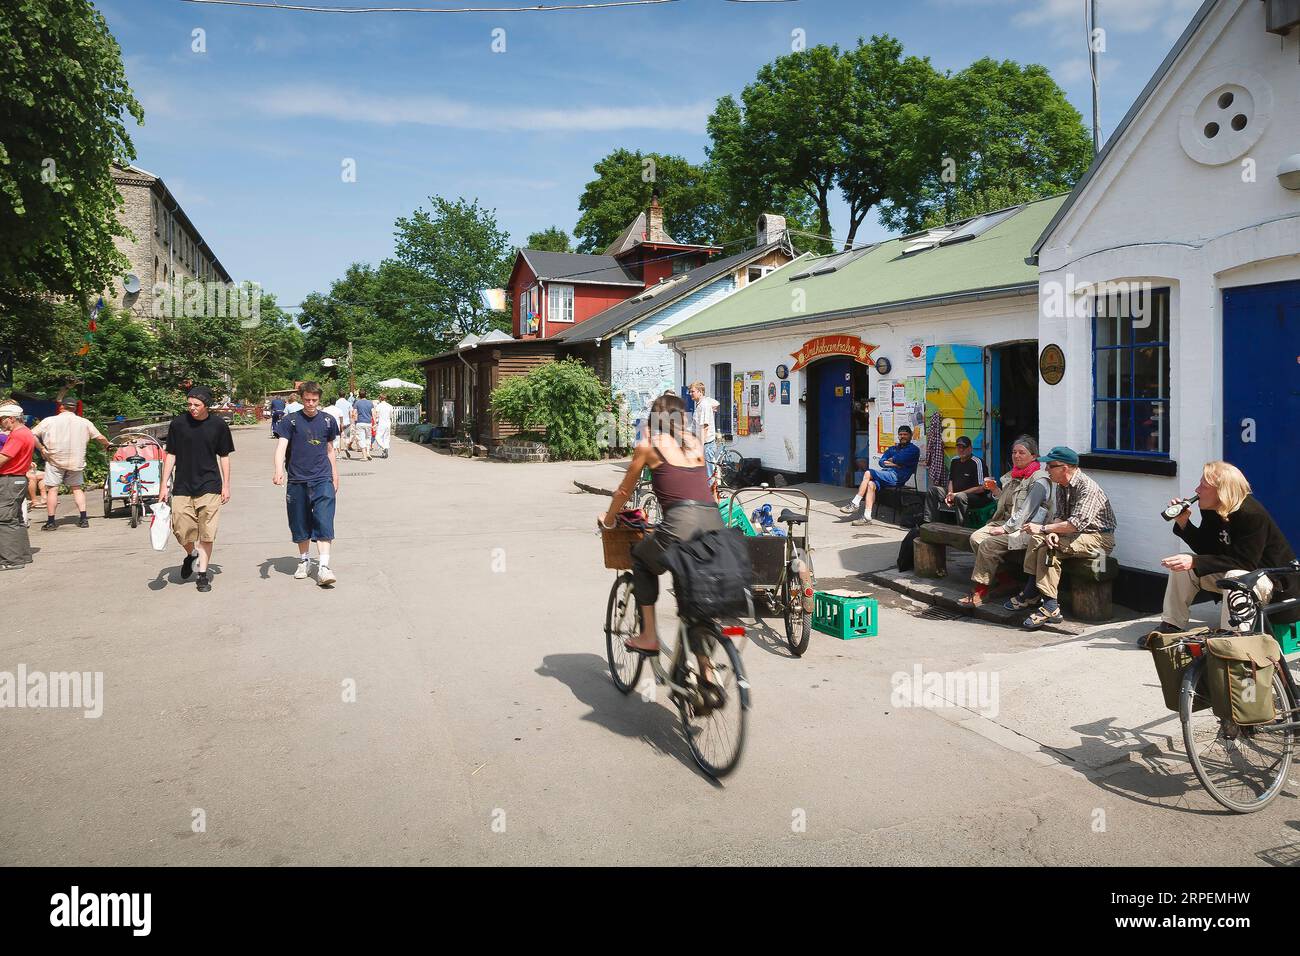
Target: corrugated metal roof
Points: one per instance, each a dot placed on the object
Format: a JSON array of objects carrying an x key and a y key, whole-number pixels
[
  {"x": 632, "y": 310},
  {"x": 578, "y": 267},
  {"x": 883, "y": 276}
]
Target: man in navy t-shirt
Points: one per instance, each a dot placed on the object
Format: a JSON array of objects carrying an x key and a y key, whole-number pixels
[{"x": 306, "y": 442}]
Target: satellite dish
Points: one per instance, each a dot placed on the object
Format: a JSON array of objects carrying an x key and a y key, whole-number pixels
[{"x": 131, "y": 283}]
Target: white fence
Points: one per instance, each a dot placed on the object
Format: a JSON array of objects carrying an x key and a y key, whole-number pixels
[{"x": 406, "y": 415}]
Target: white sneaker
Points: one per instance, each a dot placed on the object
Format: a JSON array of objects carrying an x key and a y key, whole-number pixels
[
  {"x": 304, "y": 568},
  {"x": 325, "y": 577}
]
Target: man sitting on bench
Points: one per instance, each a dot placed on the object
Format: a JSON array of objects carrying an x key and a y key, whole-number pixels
[
  {"x": 897, "y": 465},
  {"x": 1084, "y": 527},
  {"x": 1236, "y": 535},
  {"x": 965, "y": 486}
]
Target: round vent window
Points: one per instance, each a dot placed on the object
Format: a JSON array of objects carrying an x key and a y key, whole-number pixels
[{"x": 1224, "y": 115}]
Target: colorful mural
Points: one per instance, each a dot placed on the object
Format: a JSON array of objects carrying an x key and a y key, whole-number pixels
[{"x": 954, "y": 386}]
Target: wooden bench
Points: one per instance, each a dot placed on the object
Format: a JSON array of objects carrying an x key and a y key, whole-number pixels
[{"x": 1086, "y": 582}]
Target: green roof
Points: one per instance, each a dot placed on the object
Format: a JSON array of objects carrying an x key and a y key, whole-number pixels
[{"x": 883, "y": 277}]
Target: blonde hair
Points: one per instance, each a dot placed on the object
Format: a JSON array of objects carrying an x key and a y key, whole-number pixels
[
  {"x": 699, "y": 385},
  {"x": 1230, "y": 483}
]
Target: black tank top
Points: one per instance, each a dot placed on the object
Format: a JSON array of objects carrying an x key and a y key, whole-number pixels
[{"x": 676, "y": 483}]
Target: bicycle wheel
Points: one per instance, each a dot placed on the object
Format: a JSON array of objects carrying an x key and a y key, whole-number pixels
[
  {"x": 649, "y": 504},
  {"x": 620, "y": 624},
  {"x": 1243, "y": 768},
  {"x": 135, "y": 511},
  {"x": 729, "y": 465},
  {"x": 108, "y": 503},
  {"x": 717, "y": 737},
  {"x": 798, "y": 622}
]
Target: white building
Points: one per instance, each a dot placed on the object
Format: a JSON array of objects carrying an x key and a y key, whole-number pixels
[{"x": 1194, "y": 204}]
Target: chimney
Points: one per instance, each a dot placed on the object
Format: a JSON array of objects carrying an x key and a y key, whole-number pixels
[
  {"x": 654, "y": 221},
  {"x": 771, "y": 227}
]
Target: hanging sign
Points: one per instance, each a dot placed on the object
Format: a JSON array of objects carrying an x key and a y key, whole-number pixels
[
  {"x": 1051, "y": 364},
  {"x": 825, "y": 345},
  {"x": 782, "y": 372},
  {"x": 785, "y": 393}
]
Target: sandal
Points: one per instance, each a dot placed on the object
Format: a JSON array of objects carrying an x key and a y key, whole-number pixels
[
  {"x": 711, "y": 698},
  {"x": 1018, "y": 602},
  {"x": 1042, "y": 616},
  {"x": 972, "y": 600},
  {"x": 627, "y": 645}
]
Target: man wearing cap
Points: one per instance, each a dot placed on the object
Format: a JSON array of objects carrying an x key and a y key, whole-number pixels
[
  {"x": 199, "y": 445},
  {"x": 15, "y": 457},
  {"x": 61, "y": 440},
  {"x": 897, "y": 465},
  {"x": 965, "y": 485},
  {"x": 1083, "y": 527}
]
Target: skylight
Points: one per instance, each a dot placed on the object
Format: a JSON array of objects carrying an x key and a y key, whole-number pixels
[{"x": 831, "y": 263}]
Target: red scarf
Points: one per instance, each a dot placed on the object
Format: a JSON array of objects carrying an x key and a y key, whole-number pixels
[{"x": 1025, "y": 472}]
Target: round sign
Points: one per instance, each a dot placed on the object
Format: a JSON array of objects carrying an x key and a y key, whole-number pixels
[
  {"x": 782, "y": 372},
  {"x": 1051, "y": 364},
  {"x": 883, "y": 365}
]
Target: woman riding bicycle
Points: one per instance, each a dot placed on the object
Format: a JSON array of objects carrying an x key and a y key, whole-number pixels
[{"x": 675, "y": 458}]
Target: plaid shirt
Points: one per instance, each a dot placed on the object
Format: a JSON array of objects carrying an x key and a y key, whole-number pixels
[{"x": 1085, "y": 505}]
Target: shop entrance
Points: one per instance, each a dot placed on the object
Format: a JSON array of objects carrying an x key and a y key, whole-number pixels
[
  {"x": 838, "y": 420},
  {"x": 1013, "y": 397}
]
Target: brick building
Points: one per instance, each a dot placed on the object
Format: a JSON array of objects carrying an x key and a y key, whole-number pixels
[{"x": 166, "y": 245}]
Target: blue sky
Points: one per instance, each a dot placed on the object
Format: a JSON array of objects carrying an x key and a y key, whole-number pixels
[{"x": 251, "y": 135}]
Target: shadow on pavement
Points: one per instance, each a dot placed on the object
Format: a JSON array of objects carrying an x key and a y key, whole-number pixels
[
  {"x": 282, "y": 565},
  {"x": 587, "y": 676}
]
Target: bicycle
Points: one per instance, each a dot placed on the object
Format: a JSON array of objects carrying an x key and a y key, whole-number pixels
[
  {"x": 643, "y": 497},
  {"x": 1242, "y": 767},
  {"x": 726, "y": 472},
  {"x": 713, "y": 725},
  {"x": 784, "y": 572}
]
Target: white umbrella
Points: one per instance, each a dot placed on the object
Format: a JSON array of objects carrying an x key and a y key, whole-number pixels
[{"x": 398, "y": 383}]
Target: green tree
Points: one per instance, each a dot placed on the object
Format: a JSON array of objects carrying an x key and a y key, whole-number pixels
[
  {"x": 266, "y": 354},
  {"x": 994, "y": 125},
  {"x": 453, "y": 252},
  {"x": 63, "y": 96},
  {"x": 551, "y": 239},
  {"x": 622, "y": 188},
  {"x": 561, "y": 402}
]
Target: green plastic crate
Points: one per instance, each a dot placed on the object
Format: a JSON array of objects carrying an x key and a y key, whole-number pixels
[
  {"x": 1288, "y": 635},
  {"x": 845, "y": 617},
  {"x": 734, "y": 517}
]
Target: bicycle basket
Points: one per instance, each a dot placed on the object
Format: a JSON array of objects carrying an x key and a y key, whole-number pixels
[
  {"x": 1239, "y": 675},
  {"x": 618, "y": 543},
  {"x": 1172, "y": 658}
]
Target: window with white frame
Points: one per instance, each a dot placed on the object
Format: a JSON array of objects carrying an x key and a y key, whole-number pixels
[
  {"x": 757, "y": 272},
  {"x": 559, "y": 303}
]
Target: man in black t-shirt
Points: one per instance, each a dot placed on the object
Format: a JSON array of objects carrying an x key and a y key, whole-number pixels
[
  {"x": 199, "y": 445},
  {"x": 965, "y": 486}
]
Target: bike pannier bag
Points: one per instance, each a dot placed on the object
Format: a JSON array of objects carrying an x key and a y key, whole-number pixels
[
  {"x": 711, "y": 574},
  {"x": 1239, "y": 677},
  {"x": 1172, "y": 659}
]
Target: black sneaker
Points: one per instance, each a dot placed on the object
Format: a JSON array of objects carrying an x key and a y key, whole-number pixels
[
  {"x": 83, "y": 523},
  {"x": 202, "y": 582},
  {"x": 50, "y": 525},
  {"x": 187, "y": 566}
]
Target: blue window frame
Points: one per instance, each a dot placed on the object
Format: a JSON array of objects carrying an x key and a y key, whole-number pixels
[{"x": 1130, "y": 373}]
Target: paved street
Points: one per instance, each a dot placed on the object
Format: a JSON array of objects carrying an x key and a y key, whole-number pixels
[{"x": 485, "y": 728}]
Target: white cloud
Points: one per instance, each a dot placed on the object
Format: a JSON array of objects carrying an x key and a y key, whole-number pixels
[
  {"x": 1064, "y": 18},
  {"x": 354, "y": 106}
]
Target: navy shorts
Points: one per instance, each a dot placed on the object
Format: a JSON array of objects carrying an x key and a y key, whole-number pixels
[
  {"x": 885, "y": 477},
  {"x": 311, "y": 510}
]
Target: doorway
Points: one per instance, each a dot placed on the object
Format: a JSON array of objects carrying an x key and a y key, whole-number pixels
[
  {"x": 1013, "y": 400},
  {"x": 838, "y": 420}
]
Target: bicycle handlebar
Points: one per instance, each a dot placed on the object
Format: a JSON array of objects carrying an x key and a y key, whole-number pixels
[{"x": 1247, "y": 582}]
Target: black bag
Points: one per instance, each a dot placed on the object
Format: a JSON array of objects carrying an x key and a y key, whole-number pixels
[
  {"x": 711, "y": 574},
  {"x": 906, "y": 556}
]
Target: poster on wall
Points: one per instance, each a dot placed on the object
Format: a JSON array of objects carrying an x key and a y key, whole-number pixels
[
  {"x": 785, "y": 393},
  {"x": 754, "y": 405},
  {"x": 739, "y": 419},
  {"x": 915, "y": 360}
]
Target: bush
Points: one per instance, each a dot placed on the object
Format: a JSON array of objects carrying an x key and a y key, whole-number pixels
[{"x": 560, "y": 403}]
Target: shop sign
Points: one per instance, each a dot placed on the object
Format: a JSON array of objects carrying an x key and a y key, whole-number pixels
[
  {"x": 825, "y": 345},
  {"x": 782, "y": 372},
  {"x": 1051, "y": 364}
]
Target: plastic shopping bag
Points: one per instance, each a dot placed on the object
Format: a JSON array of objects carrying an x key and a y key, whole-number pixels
[{"x": 160, "y": 525}]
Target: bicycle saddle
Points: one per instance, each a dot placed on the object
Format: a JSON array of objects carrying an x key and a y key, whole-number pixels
[
  {"x": 789, "y": 517},
  {"x": 136, "y": 460}
]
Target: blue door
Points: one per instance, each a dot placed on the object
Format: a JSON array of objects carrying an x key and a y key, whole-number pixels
[
  {"x": 1261, "y": 394},
  {"x": 834, "y": 421}
]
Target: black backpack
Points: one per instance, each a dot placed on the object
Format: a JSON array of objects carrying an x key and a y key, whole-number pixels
[
  {"x": 711, "y": 574},
  {"x": 906, "y": 556}
]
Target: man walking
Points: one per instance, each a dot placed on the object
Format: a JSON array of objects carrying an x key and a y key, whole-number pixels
[
  {"x": 277, "y": 412},
  {"x": 15, "y": 457},
  {"x": 199, "y": 445},
  {"x": 307, "y": 444},
  {"x": 62, "y": 440},
  {"x": 363, "y": 420},
  {"x": 704, "y": 421},
  {"x": 383, "y": 423}
]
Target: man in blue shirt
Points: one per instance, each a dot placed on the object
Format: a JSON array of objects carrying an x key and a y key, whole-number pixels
[
  {"x": 306, "y": 440},
  {"x": 363, "y": 413},
  {"x": 277, "y": 412},
  {"x": 897, "y": 465}
]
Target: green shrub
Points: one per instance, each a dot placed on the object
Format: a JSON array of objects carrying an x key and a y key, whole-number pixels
[{"x": 560, "y": 403}]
